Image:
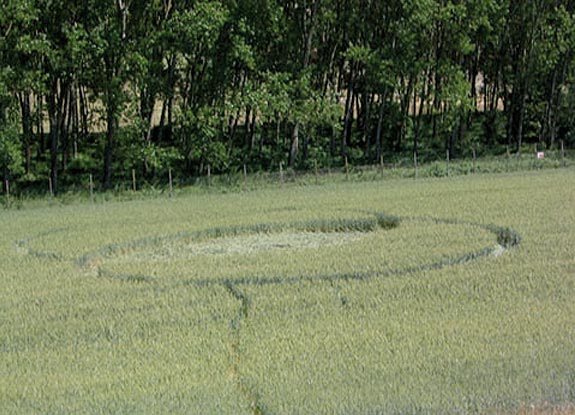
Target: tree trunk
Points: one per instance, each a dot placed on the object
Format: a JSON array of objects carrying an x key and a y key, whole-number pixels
[
  {"x": 348, "y": 115},
  {"x": 247, "y": 126},
  {"x": 111, "y": 126},
  {"x": 167, "y": 106},
  {"x": 112, "y": 122},
  {"x": 548, "y": 130},
  {"x": 147, "y": 100},
  {"x": 294, "y": 145},
  {"x": 521, "y": 121},
  {"x": 52, "y": 101},
  {"x": 417, "y": 126},
  {"x": 378, "y": 143},
  {"x": 74, "y": 119},
  {"x": 40, "y": 127},
  {"x": 310, "y": 32},
  {"x": 253, "y": 126},
  {"x": 5, "y": 175},
  {"x": 27, "y": 132},
  {"x": 405, "y": 100},
  {"x": 309, "y": 28},
  {"x": 450, "y": 145},
  {"x": 305, "y": 146},
  {"x": 368, "y": 103},
  {"x": 113, "y": 91},
  {"x": 84, "y": 111},
  {"x": 63, "y": 127}
]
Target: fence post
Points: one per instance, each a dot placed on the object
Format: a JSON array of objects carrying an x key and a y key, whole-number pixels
[
  {"x": 473, "y": 164},
  {"x": 415, "y": 163},
  {"x": 50, "y": 189},
  {"x": 7, "y": 193},
  {"x": 134, "y": 188},
  {"x": 447, "y": 161},
  {"x": 381, "y": 164},
  {"x": 316, "y": 172},
  {"x": 245, "y": 177},
  {"x": 346, "y": 169},
  {"x": 91, "y": 187},
  {"x": 508, "y": 159},
  {"x": 562, "y": 153},
  {"x": 209, "y": 175},
  {"x": 171, "y": 183}
]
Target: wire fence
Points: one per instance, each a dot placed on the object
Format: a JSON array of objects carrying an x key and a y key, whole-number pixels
[{"x": 243, "y": 179}]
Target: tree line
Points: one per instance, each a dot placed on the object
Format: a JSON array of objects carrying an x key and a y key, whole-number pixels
[{"x": 109, "y": 86}]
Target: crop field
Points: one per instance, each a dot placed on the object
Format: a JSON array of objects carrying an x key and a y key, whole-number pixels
[{"x": 400, "y": 296}]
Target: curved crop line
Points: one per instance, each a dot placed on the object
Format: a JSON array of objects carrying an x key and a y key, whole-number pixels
[
  {"x": 25, "y": 244},
  {"x": 506, "y": 237},
  {"x": 360, "y": 276},
  {"x": 133, "y": 278}
]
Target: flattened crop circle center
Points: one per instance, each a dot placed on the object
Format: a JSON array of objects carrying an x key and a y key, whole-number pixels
[{"x": 246, "y": 244}]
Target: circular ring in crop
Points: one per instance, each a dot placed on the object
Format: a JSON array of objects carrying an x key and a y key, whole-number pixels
[
  {"x": 322, "y": 231},
  {"x": 168, "y": 249}
]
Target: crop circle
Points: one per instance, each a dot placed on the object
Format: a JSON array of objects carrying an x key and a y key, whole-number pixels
[{"x": 229, "y": 255}]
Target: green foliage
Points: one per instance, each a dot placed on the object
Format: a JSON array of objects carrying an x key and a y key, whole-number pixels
[
  {"x": 225, "y": 83},
  {"x": 11, "y": 159},
  {"x": 151, "y": 159},
  {"x": 388, "y": 221},
  {"x": 508, "y": 238},
  {"x": 193, "y": 31},
  {"x": 199, "y": 134}
]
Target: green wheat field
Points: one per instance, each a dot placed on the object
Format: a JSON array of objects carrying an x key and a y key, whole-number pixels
[{"x": 402, "y": 296}]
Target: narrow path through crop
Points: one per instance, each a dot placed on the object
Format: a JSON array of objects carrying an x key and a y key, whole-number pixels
[{"x": 246, "y": 391}]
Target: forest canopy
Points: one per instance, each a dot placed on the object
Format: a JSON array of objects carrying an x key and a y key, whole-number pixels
[{"x": 108, "y": 86}]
